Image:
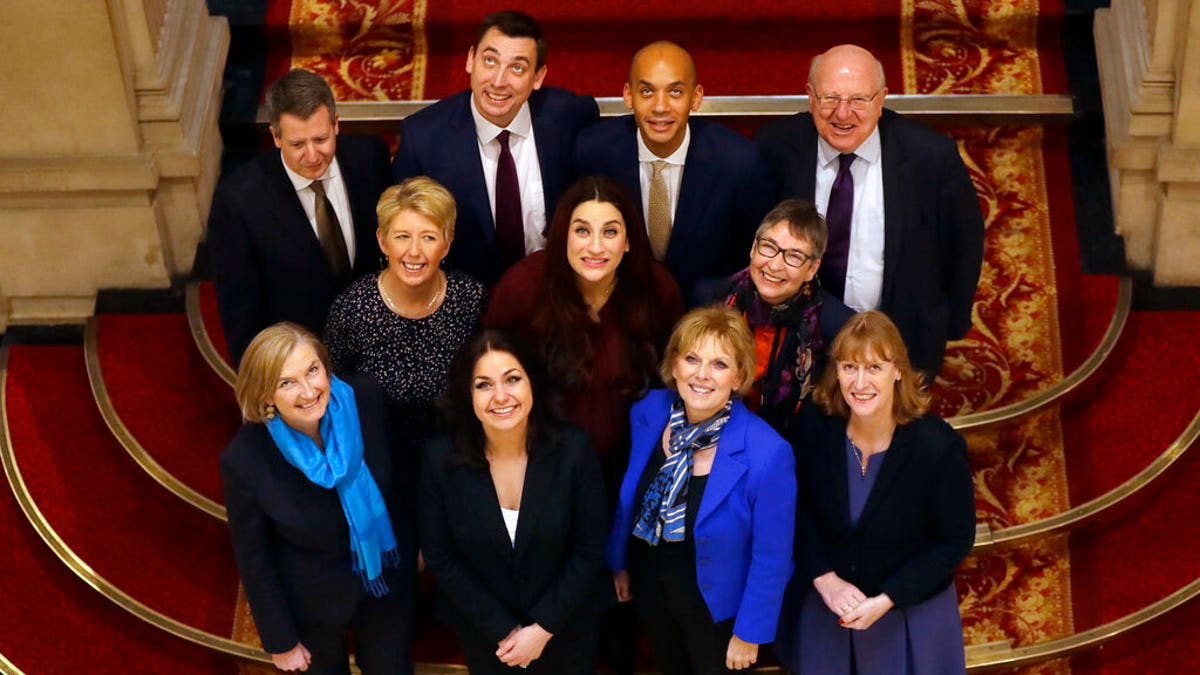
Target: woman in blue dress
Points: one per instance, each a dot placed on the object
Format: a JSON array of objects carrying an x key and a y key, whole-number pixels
[{"x": 886, "y": 512}]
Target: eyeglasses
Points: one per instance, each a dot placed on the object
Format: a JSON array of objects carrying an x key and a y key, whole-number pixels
[
  {"x": 831, "y": 102},
  {"x": 792, "y": 257}
]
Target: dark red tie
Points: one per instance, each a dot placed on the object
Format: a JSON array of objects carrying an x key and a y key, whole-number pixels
[
  {"x": 837, "y": 219},
  {"x": 510, "y": 225}
]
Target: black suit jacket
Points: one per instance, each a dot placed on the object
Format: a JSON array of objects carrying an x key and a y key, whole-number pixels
[
  {"x": 440, "y": 142},
  {"x": 290, "y": 537},
  {"x": 919, "y": 520},
  {"x": 554, "y": 576},
  {"x": 725, "y": 191},
  {"x": 266, "y": 260},
  {"x": 933, "y": 229}
]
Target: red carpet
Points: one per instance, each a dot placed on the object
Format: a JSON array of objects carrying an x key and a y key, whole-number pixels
[
  {"x": 128, "y": 529},
  {"x": 212, "y": 319},
  {"x": 51, "y": 622},
  {"x": 167, "y": 395},
  {"x": 764, "y": 47}
]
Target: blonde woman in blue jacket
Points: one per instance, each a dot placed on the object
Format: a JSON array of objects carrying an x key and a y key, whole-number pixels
[{"x": 702, "y": 536}]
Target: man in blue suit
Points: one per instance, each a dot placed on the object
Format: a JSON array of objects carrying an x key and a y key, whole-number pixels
[
  {"x": 503, "y": 148},
  {"x": 703, "y": 187}
]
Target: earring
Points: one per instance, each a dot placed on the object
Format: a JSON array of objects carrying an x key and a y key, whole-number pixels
[{"x": 269, "y": 411}]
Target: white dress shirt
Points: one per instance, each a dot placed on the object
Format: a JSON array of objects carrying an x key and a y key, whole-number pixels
[
  {"x": 672, "y": 172},
  {"x": 335, "y": 192},
  {"x": 864, "y": 266},
  {"x": 529, "y": 173}
]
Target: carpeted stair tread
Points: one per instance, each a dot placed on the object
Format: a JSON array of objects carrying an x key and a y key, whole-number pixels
[
  {"x": 51, "y": 622},
  {"x": 1141, "y": 400},
  {"x": 144, "y": 540},
  {"x": 1168, "y": 645},
  {"x": 168, "y": 397}
]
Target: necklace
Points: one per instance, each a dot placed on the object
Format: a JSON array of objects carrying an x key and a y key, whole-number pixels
[
  {"x": 858, "y": 454},
  {"x": 603, "y": 297},
  {"x": 387, "y": 298}
]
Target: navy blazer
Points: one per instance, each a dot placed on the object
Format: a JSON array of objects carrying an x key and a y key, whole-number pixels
[
  {"x": 440, "y": 142},
  {"x": 290, "y": 537},
  {"x": 919, "y": 520},
  {"x": 745, "y": 524},
  {"x": 933, "y": 229},
  {"x": 553, "y": 576},
  {"x": 726, "y": 190},
  {"x": 267, "y": 262}
]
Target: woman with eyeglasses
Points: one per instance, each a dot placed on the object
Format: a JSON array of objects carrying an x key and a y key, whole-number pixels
[{"x": 781, "y": 299}]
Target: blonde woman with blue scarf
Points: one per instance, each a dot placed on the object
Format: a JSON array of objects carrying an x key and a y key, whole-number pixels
[
  {"x": 702, "y": 537},
  {"x": 312, "y": 512}
]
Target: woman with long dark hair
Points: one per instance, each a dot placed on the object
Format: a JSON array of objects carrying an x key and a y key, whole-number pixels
[
  {"x": 598, "y": 307},
  {"x": 513, "y": 517}
]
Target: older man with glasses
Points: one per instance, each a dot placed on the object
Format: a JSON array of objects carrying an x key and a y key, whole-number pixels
[{"x": 905, "y": 229}]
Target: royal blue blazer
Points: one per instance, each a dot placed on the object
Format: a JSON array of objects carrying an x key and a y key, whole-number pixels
[{"x": 746, "y": 520}]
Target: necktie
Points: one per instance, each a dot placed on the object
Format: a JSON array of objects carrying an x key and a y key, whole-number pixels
[
  {"x": 510, "y": 224},
  {"x": 329, "y": 233},
  {"x": 837, "y": 219},
  {"x": 659, "y": 217}
]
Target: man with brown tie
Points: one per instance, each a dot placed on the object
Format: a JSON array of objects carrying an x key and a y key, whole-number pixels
[
  {"x": 905, "y": 230},
  {"x": 703, "y": 187},
  {"x": 292, "y": 227}
]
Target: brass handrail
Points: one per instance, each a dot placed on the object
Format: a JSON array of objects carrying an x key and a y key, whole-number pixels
[
  {"x": 7, "y": 667},
  {"x": 119, "y": 431},
  {"x": 201, "y": 337},
  {"x": 1069, "y": 383}
]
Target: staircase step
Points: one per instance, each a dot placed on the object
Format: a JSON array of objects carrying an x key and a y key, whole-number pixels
[
  {"x": 51, "y": 621},
  {"x": 130, "y": 531},
  {"x": 168, "y": 397}
]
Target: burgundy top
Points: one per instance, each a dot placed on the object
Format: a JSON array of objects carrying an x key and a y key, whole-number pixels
[{"x": 601, "y": 408}]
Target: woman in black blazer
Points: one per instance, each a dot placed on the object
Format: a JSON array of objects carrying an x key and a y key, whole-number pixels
[
  {"x": 310, "y": 460},
  {"x": 885, "y": 515},
  {"x": 513, "y": 518}
]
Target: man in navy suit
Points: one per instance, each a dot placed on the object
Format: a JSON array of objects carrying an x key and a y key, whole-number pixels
[
  {"x": 895, "y": 192},
  {"x": 503, "y": 148},
  {"x": 703, "y": 187},
  {"x": 292, "y": 227}
]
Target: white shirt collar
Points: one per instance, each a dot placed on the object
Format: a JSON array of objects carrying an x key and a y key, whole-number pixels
[
  {"x": 679, "y": 157},
  {"x": 869, "y": 150},
  {"x": 522, "y": 124},
  {"x": 300, "y": 182}
]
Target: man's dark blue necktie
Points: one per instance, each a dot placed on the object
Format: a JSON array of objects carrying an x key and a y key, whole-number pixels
[
  {"x": 837, "y": 219},
  {"x": 510, "y": 225}
]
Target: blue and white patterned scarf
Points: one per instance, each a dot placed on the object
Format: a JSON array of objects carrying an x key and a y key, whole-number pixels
[{"x": 664, "y": 506}]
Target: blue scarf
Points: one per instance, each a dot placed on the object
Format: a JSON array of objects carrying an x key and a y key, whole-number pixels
[
  {"x": 664, "y": 506},
  {"x": 341, "y": 466}
]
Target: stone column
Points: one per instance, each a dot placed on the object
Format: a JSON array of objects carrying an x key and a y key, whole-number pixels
[
  {"x": 1150, "y": 74},
  {"x": 111, "y": 148}
]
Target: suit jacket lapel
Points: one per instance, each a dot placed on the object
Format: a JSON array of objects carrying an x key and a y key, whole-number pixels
[
  {"x": 894, "y": 460},
  {"x": 539, "y": 473},
  {"x": 362, "y": 210},
  {"x": 297, "y": 229},
  {"x": 546, "y": 137},
  {"x": 834, "y": 443},
  {"x": 896, "y": 202},
  {"x": 478, "y": 481},
  {"x": 463, "y": 145},
  {"x": 627, "y": 169},
  {"x": 728, "y": 465},
  {"x": 694, "y": 192}
]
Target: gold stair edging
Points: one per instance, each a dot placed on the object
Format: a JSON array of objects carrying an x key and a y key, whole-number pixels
[
  {"x": 1076, "y": 514},
  {"x": 84, "y": 571},
  {"x": 201, "y": 337},
  {"x": 987, "y": 657},
  {"x": 7, "y": 667},
  {"x": 123, "y": 436},
  {"x": 1056, "y": 391},
  {"x": 106, "y": 588}
]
